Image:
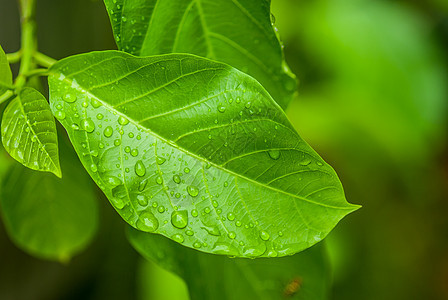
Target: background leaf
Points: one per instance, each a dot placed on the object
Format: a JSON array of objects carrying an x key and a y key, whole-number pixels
[
  {"x": 48, "y": 217},
  {"x": 302, "y": 276},
  {"x": 236, "y": 32},
  {"x": 29, "y": 132},
  {"x": 5, "y": 72},
  {"x": 197, "y": 151}
]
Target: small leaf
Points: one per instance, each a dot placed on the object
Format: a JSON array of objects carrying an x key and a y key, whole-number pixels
[
  {"x": 29, "y": 132},
  {"x": 235, "y": 32},
  {"x": 153, "y": 134},
  {"x": 5, "y": 73},
  {"x": 48, "y": 217},
  {"x": 302, "y": 276}
]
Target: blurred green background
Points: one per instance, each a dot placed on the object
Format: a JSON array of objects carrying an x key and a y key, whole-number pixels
[{"x": 372, "y": 100}]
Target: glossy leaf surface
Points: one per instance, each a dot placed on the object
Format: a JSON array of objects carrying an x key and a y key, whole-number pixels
[
  {"x": 197, "y": 151},
  {"x": 236, "y": 32},
  {"x": 29, "y": 132},
  {"x": 48, "y": 217},
  {"x": 301, "y": 276},
  {"x": 5, "y": 72}
]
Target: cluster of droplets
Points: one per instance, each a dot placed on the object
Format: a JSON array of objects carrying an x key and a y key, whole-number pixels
[{"x": 179, "y": 218}]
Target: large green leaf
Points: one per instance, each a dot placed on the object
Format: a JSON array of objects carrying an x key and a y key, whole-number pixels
[
  {"x": 29, "y": 132},
  {"x": 46, "y": 216},
  {"x": 5, "y": 73},
  {"x": 302, "y": 276},
  {"x": 236, "y": 32},
  {"x": 197, "y": 151}
]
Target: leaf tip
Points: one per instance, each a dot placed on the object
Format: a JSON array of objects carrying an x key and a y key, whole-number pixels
[{"x": 58, "y": 173}]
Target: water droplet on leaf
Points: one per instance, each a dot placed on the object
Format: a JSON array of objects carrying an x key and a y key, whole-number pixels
[
  {"x": 140, "y": 169},
  {"x": 192, "y": 190},
  {"x": 179, "y": 219},
  {"x": 147, "y": 222},
  {"x": 274, "y": 154}
]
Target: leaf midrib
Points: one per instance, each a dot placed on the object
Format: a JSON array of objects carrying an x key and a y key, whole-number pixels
[{"x": 76, "y": 85}]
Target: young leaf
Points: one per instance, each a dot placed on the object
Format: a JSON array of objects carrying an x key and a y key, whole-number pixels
[
  {"x": 236, "y": 32},
  {"x": 48, "y": 217},
  {"x": 302, "y": 276},
  {"x": 5, "y": 73},
  {"x": 197, "y": 151},
  {"x": 29, "y": 132}
]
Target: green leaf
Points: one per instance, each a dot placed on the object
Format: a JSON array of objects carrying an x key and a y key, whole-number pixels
[
  {"x": 29, "y": 132},
  {"x": 48, "y": 217},
  {"x": 197, "y": 151},
  {"x": 5, "y": 73},
  {"x": 302, "y": 276},
  {"x": 236, "y": 32}
]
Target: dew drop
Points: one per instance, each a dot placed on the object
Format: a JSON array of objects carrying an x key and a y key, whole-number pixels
[
  {"x": 194, "y": 213},
  {"x": 108, "y": 131},
  {"x": 127, "y": 149},
  {"x": 88, "y": 125},
  {"x": 176, "y": 178},
  {"x": 232, "y": 235},
  {"x": 95, "y": 103},
  {"x": 160, "y": 160},
  {"x": 189, "y": 232},
  {"x": 212, "y": 230},
  {"x": 264, "y": 235},
  {"x": 179, "y": 219},
  {"x": 99, "y": 116},
  {"x": 117, "y": 142},
  {"x": 60, "y": 115},
  {"x": 187, "y": 170},
  {"x": 192, "y": 190},
  {"x": 70, "y": 98},
  {"x": 122, "y": 120},
  {"x": 305, "y": 162},
  {"x": 113, "y": 181},
  {"x": 274, "y": 154},
  {"x": 134, "y": 152},
  {"x": 161, "y": 209},
  {"x": 93, "y": 168},
  {"x": 143, "y": 183},
  {"x": 75, "y": 126},
  {"x": 117, "y": 202},
  {"x": 140, "y": 169},
  {"x": 142, "y": 200},
  {"x": 147, "y": 222},
  {"x": 197, "y": 245},
  {"x": 178, "y": 238},
  {"x": 159, "y": 180},
  {"x": 221, "y": 108},
  {"x": 230, "y": 216}
]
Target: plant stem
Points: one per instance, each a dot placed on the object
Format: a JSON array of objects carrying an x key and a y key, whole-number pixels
[
  {"x": 29, "y": 41},
  {"x": 14, "y": 57},
  {"x": 36, "y": 72},
  {"x": 43, "y": 60},
  {"x": 6, "y": 95}
]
